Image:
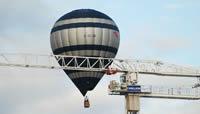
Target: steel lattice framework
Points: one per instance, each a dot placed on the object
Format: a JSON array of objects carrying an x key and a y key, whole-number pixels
[{"x": 84, "y": 63}]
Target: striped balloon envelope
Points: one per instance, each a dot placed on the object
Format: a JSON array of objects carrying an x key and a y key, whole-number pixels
[{"x": 85, "y": 32}]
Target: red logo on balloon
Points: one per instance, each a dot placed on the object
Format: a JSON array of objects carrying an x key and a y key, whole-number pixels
[{"x": 116, "y": 34}]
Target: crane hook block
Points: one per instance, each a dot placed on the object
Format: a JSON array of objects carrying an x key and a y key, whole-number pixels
[{"x": 86, "y": 102}]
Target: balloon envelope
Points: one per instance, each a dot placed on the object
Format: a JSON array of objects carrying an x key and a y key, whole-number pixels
[{"x": 85, "y": 32}]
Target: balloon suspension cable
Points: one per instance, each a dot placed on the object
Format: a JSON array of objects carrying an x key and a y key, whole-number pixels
[{"x": 198, "y": 79}]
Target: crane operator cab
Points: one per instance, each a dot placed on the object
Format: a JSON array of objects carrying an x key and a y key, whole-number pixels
[{"x": 86, "y": 102}]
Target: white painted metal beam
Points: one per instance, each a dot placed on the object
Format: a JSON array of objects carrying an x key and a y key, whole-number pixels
[
  {"x": 184, "y": 97},
  {"x": 84, "y": 63}
]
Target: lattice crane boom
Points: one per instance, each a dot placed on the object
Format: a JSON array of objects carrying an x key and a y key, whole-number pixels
[{"x": 84, "y": 63}]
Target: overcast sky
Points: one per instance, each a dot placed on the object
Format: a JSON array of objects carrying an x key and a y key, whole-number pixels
[{"x": 150, "y": 29}]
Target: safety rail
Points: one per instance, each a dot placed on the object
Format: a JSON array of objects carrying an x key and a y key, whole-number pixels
[
  {"x": 170, "y": 92},
  {"x": 160, "y": 92}
]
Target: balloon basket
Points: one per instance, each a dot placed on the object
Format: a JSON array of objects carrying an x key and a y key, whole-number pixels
[{"x": 86, "y": 102}]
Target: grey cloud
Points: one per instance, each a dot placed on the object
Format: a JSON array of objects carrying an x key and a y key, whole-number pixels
[
  {"x": 24, "y": 14},
  {"x": 171, "y": 44},
  {"x": 18, "y": 87},
  {"x": 23, "y": 23}
]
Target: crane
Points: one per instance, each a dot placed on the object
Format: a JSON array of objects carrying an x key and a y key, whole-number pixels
[{"x": 129, "y": 70}]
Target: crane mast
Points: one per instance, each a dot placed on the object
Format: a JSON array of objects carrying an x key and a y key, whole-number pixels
[{"x": 129, "y": 69}]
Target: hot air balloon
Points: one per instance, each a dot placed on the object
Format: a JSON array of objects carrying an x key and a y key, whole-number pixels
[{"x": 85, "y": 32}]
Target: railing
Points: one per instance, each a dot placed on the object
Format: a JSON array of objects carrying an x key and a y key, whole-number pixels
[
  {"x": 188, "y": 93},
  {"x": 180, "y": 91}
]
